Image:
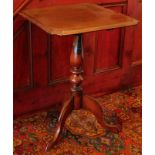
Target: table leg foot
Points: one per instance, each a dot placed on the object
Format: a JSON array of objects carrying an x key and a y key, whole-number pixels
[
  {"x": 93, "y": 106},
  {"x": 66, "y": 110}
]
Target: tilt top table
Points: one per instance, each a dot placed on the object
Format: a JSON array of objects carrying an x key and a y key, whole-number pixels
[{"x": 77, "y": 19}]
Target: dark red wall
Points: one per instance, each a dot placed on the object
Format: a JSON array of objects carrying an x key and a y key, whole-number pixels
[{"x": 112, "y": 59}]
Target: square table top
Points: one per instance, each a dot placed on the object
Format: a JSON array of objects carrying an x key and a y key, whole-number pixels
[{"x": 76, "y": 18}]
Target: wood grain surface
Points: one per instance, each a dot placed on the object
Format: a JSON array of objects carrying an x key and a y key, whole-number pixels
[{"x": 76, "y": 18}]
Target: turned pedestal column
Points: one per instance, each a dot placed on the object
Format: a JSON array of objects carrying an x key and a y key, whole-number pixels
[{"x": 77, "y": 99}]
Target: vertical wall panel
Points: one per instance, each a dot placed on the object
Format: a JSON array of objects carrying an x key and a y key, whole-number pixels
[
  {"x": 137, "y": 50},
  {"x": 39, "y": 47},
  {"x": 60, "y": 50},
  {"x": 22, "y": 58},
  {"x": 108, "y": 47}
]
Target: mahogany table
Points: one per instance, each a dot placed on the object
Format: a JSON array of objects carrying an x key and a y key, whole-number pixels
[{"x": 77, "y": 19}]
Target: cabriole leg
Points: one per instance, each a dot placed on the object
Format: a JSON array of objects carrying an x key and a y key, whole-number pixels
[{"x": 65, "y": 111}]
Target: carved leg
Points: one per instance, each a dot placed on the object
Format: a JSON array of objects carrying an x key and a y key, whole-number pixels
[
  {"x": 66, "y": 110},
  {"x": 93, "y": 106}
]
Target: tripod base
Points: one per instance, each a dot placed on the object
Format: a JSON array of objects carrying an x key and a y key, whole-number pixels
[{"x": 90, "y": 104}]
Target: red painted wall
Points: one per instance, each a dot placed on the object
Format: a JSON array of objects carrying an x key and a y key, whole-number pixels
[{"x": 112, "y": 59}]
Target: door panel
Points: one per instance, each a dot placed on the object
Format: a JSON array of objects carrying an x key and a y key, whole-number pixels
[
  {"x": 59, "y": 58},
  {"x": 137, "y": 49},
  {"x": 22, "y": 58}
]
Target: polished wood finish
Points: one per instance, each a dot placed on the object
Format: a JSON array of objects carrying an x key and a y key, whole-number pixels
[
  {"x": 93, "y": 106},
  {"x": 77, "y": 18},
  {"x": 67, "y": 108},
  {"x": 88, "y": 23},
  {"x": 42, "y": 82},
  {"x": 76, "y": 78},
  {"x": 79, "y": 100},
  {"x": 76, "y": 89}
]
